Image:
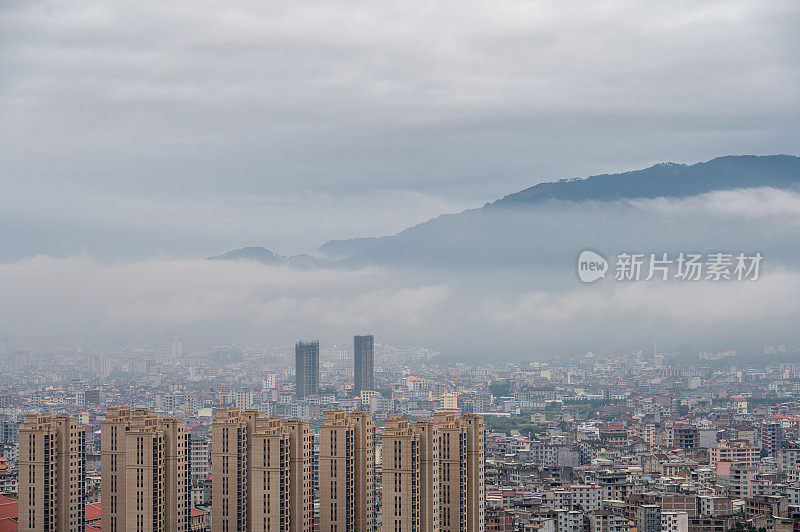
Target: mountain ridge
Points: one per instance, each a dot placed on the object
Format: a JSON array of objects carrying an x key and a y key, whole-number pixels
[
  {"x": 459, "y": 236},
  {"x": 721, "y": 173}
]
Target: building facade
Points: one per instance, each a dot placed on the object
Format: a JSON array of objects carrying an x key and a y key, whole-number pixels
[
  {"x": 261, "y": 468},
  {"x": 347, "y": 472},
  {"x": 363, "y": 363},
  {"x": 146, "y": 464},
  {"x": 51, "y": 474},
  {"x": 306, "y": 364},
  {"x": 461, "y": 471}
]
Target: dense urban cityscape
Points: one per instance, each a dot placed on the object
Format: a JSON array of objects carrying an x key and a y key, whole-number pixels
[
  {"x": 381, "y": 266},
  {"x": 369, "y": 437}
]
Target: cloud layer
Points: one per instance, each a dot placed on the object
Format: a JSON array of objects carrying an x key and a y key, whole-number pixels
[
  {"x": 217, "y": 302},
  {"x": 125, "y": 124},
  {"x": 499, "y": 303}
]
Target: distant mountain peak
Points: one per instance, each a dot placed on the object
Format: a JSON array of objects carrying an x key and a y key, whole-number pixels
[
  {"x": 668, "y": 180},
  {"x": 265, "y": 256},
  {"x": 258, "y": 253}
]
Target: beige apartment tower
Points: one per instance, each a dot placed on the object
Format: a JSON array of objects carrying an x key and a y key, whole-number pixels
[
  {"x": 347, "y": 472},
  {"x": 430, "y": 520},
  {"x": 461, "y": 472},
  {"x": 410, "y": 477},
  {"x": 262, "y": 473},
  {"x": 51, "y": 474},
  {"x": 401, "y": 477},
  {"x": 476, "y": 489},
  {"x": 146, "y": 471}
]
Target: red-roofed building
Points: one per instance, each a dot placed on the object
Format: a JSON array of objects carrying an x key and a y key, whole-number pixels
[
  {"x": 92, "y": 514},
  {"x": 198, "y": 520},
  {"x": 9, "y": 508}
]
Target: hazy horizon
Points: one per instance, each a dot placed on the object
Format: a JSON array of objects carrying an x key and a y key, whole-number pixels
[{"x": 138, "y": 138}]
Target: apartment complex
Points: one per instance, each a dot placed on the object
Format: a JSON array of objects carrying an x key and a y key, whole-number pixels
[
  {"x": 433, "y": 474},
  {"x": 262, "y": 473},
  {"x": 262, "y": 470},
  {"x": 145, "y": 461},
  {"x": 347, "y": 472},
  {"x": 51, "y": 474}
]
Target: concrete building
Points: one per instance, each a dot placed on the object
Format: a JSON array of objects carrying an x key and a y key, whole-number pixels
[
  {"x": 347, "y": 472},
  {"x": 261, "y": 468},
  {"x": 587, "y": 496},
  {"x": 51, "y": 474},
  {"x": 461, "y": 472},
  {"x": 674, "y": 522},
  {"x": 739, "y": 404},
  {"x": 788, "y": 458},
  {"x": 648, "y": 518},
  {"x": 607, "y": 521},
  {"x": 402, "y": 472},
  {"x": 201, "y": 459},
  {"x": 735, "y": 451},
  {"x": 685, "y": 436},
  {"x": 714, "y": 506},
  {"x": 411, "y": 476},
  {"x": 739, "y": 483},
  {"x": 145, "y": 461},
  {"x": 363, "y": 363},
  {"x": 306, "y": 364},
  {"x": 771, "y": 437},
  {"x": 568, "y": 520}
]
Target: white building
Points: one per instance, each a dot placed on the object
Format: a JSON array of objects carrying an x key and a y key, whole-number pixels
[
  {"x": 270, "y": 381},
  {"x": 569, "y": 520},
  {"x": 674, "y": 522},
  {"x": 201, "y": 458}
]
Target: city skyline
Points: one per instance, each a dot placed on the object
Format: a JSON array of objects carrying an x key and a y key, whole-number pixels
[{"x": 634, "y": 440}]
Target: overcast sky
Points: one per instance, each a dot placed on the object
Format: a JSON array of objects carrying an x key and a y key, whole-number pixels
[{"x": 137, "y": 129}]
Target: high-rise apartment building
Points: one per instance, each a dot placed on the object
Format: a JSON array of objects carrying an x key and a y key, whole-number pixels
[
  {"x": 347, "y": 472},
  {"x": 363, "y": 363},
  {"x": 401, "y": 472},
  {"x": 461, "y": 471},
  {"x": 306, "y": 364},
  {"x": 410, "y": 476},
  {"x": 476, "y": 489},
  {"x": 262, "y": 473},
  {"x": 433, "y": 474},
  {"x": 51, "y": 474},
  {"x": 431, "y": 512},
  {"x": 145, "y": 461},
  {"x": 772, "y": 437}
]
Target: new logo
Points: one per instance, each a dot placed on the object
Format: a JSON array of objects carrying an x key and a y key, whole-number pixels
[{"x": 591, "y": 266}]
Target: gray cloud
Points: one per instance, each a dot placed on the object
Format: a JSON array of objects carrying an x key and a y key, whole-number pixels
[
  {"x": 524, "y": 309},
  {"x": 213, "y": 301},
  {"x": 143, "y": 133},
  {"x": 252, "y": 114}
]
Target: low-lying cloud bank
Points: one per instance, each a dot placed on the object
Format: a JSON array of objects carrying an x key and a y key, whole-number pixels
[{"x": 216, "y": 301}]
